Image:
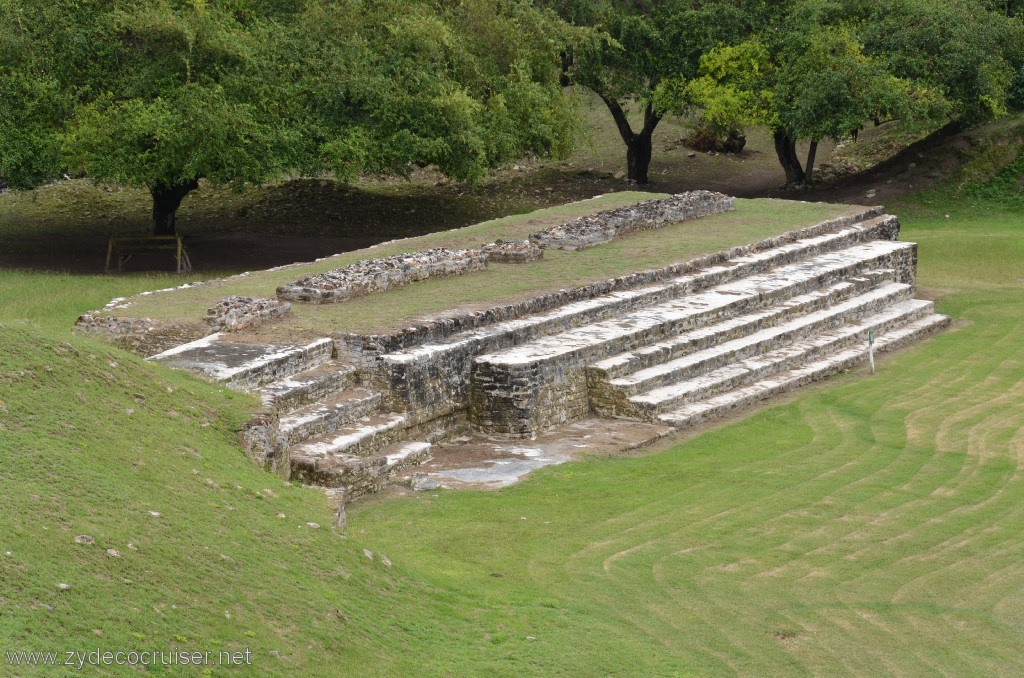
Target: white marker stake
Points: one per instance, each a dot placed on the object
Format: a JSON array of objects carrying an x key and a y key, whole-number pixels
[{"x": 871, "y": 349}]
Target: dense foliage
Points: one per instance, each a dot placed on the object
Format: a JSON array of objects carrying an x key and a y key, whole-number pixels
[
  {"x": 166, "y": 93},
  {"x": 163, "y": 94},
  {"x": 823, "y": 68},
  {"x": 634, "y": 46}
]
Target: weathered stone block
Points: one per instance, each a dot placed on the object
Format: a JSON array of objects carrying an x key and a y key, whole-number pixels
[
  {"x": 512, "y": 251},
  {"x": 235, "y": 314}
]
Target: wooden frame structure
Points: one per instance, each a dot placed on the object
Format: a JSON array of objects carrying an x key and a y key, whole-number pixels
[{"x": 124, "y": 247}]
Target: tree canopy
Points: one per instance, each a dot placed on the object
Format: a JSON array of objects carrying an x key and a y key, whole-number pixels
[
  {"x": 166, "y": 93},
  {"x": 32, "y": 102},
  {"x": 821, "y": 69},
  {"x": 635, "y": 46},
  {"x": 463, "y": 86}
]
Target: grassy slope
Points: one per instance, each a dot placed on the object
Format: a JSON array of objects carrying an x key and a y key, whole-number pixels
[
  {"x": 55, "y": 300},
  {"x": 93, "y": 441},
  {"x": 501, "y": 283},
  {"x": 873, "y": 528}
]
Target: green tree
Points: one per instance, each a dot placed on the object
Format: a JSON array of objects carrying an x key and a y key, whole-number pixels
[
  {"x": 32, "y": 104},
  {"x": 170, "y": 92},
  {"x": 387, "y": 86},
  {"x": 821, "y": 84},
  {"x": 962, "y": 49},
  {"x": 636, "y": 45},
  {"x": 822, "y": 69},
  {"x": 721, "y": 93}
]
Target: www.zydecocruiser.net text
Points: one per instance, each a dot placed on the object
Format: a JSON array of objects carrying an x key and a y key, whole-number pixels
[{"x": 99, "y": 657}]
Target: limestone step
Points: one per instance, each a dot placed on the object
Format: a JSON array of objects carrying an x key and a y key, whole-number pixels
[
  {"x": 307, "y": 387},
  {"x": 328, "y": 415},
  {"x": 829, "y": 236},
  {"x": 362, "y": 438},
  {"x": 245, "y": 366},
  {"x": 697, "y": 412},
  {"x": 629, "y": 362},
  {"x": 360, "y": 475},
  {"x": 598, "y": 340},
  {"x": 759, "y": 341},
  {"x": 652, "y": 403}
]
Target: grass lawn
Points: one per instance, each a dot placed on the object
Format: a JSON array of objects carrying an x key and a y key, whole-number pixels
[
  {"x": 752, "y": 220},
  {"x": 55, "y": 300},
  {"x": 195, "y": 548},
  {"x": 871, "y": 527}
]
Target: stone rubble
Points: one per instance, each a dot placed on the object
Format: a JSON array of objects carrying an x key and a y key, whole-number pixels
[
  {"x": 512, "y": 251},
  {"x": 378, "y": 275},
  {"x": 234, "y": 314},
  {"x": 421, "y": 482},
  {"x": 122, "y": 331},
  {"x": 602, "y": 227}
]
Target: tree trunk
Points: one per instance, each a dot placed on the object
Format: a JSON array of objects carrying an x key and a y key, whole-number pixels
[
  {"x": 811, "y": 152},
  {"x": 638, "y": 145},
  {"x": 638, "y": 158},
  {"x": 785, "y": 148},
  {"x": 167, "y": 198}
]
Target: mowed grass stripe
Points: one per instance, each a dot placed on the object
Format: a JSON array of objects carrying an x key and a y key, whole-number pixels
[
  {"x": 758, "y": 508},
  {"x": 871, "y": 527}
]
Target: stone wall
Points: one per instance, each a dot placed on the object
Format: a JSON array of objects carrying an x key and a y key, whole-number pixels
[
  {"x": 438, "y": 378},
  {"x": 512, "y": 251},
  {"x": 234, "y": 314},
  {"x": 259, "y": 438},
  {"x": 146, "y": 337},
  {"x": 142, "y": 336},
  {"x": 378, "y": 275},
  {"x": 521, "y": 400},
  {"x": 602, "y": 227},
  {"x": 524, "y": 396}
]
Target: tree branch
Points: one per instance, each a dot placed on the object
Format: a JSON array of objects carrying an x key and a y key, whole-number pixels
[
  {"x": 620, "y": 118},
  {"x": 651, "y": 119}
]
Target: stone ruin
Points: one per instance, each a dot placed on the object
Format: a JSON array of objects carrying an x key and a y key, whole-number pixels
[
  {"x": 602, "y": 227},
  {"x": 512, "y": 251},
  {"x": 670, "y": 347},
  {"x": 379, "y": 275},
  {"x": 146, "y": 336},
  {"x": 235, "y": 314}
]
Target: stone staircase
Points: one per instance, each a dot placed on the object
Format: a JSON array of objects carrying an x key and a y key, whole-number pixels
[
  {"x": 333, "y": 431},
  {"x": 690, "y": 343}
]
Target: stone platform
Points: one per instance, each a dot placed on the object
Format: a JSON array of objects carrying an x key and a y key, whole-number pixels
[{"x": 656, "y": 351}]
